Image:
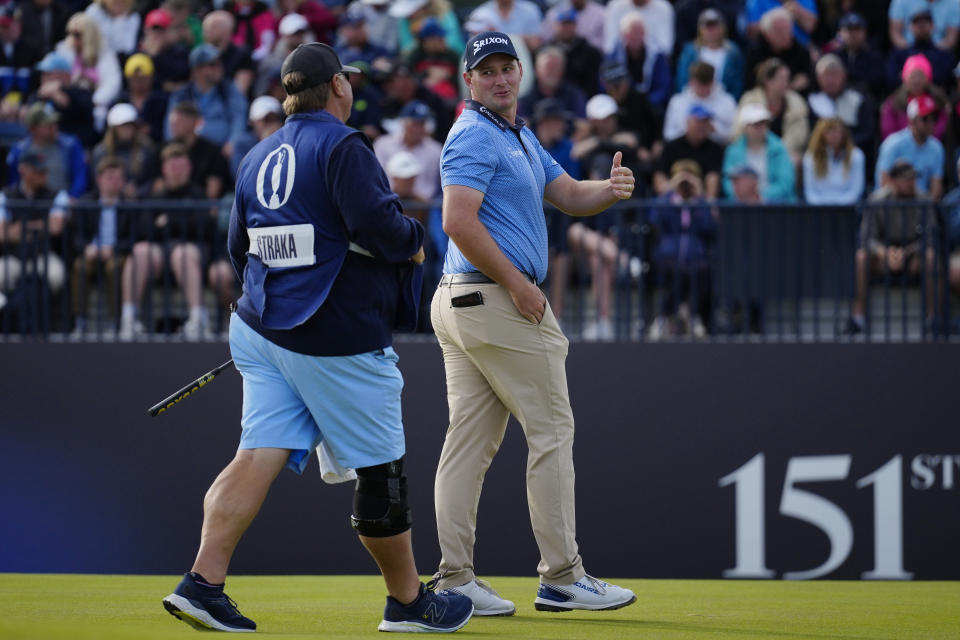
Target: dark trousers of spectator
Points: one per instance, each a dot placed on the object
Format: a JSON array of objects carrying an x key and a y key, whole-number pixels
[
  {"x": 99, "y": 279},
  {"x": 679, "y": 282}
]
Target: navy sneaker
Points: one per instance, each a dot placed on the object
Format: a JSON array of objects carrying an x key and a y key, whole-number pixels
[
  {"x": 206, "y": 608},
  {"x": 429, "y": 612}
]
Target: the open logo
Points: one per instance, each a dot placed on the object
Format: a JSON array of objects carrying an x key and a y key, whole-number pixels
[{"x": 282, "y": 164}]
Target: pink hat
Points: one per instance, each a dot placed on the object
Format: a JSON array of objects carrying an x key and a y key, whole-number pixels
[{"x": 917, "y": 62}]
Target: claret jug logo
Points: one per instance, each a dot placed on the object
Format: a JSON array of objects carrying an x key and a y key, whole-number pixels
[{"x": 282, "y": 165}]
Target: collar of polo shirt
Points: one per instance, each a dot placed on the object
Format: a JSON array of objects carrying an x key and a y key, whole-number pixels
[{"x": 493, "y": 117}]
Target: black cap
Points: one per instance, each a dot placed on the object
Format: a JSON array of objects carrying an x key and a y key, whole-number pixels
[
  {"x": 484, "y": 44},
  {"x": 316, "y": 61}
]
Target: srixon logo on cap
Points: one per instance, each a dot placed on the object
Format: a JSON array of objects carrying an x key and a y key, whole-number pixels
[{"x": 480, "y": 44}]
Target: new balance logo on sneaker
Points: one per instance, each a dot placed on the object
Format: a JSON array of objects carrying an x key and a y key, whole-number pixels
[
  {"x": 586, "y": 594},
  {"x": 434, "y": 613},
  {"x": 431, "y": 611},
  {"x": 206, "y": 607}
]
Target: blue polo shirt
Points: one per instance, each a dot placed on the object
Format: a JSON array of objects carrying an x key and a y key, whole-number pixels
[
  {"x": 483, "y": 151},
  {"x": 945, "y": 13},
  {"x": 927, "y": 159}
]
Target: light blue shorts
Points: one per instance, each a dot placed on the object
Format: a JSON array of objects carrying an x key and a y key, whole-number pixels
[{"x": 295, "y": 401}]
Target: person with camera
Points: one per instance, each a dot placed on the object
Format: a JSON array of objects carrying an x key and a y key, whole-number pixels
[{"x": 686, "y": 226}]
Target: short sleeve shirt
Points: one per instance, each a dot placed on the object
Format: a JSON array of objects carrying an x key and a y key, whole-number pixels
[
  {"x": 927, "y": 159},
  {"x": 58, "y": 206},
  {"x": 524, "y": 19},
  {"x": 946, "y": 13},
  {"x": 485, "y": 152}
]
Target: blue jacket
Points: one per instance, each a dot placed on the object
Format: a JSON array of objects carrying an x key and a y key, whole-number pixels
[
  {"x": 305, "y": 197},
  {"x": 224, "y": 111},
  {"x": 656, "y": 82},
  {"x": 733, "y": 68},
  {"x": 684, "y": 239},
  {"x": 74, "y": 162},
  {"x": 781, "y": 179}
]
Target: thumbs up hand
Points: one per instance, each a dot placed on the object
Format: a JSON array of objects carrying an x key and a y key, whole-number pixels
[{"x": 621, "y": 178}]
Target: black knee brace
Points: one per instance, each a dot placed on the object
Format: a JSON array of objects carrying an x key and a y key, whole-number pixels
[{"x": 380, "y": 506}]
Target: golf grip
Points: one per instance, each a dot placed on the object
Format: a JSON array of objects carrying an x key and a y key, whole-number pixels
[{"x": 180, "y": 394}]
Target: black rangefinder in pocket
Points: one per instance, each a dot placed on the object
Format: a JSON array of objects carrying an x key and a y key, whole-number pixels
[{"x": 467, "y": 300}]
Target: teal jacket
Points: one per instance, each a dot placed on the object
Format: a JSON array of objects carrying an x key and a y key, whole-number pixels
[
  {"x": 781, "y": 178},
  {"x": 734, "y": 69}
]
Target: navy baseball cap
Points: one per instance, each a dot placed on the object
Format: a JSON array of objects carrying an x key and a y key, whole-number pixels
[
  {"x": 852, "y": 21},
  {"x": 9, "y": 13},
  {"x": 416, "y": 110},
  {"x": 34, "y": 158},
  {"x": 570, "y": 15},
  {"x": 353, "y": 15},
  {"x": 204, "y": 54},
  {"x": 550, "y": 108},
  {"x": 612, "y": 70},
  {"x": 431, "y": 28},
  {"x": 484, "y": 44},
  {"x": 743, "y": 170},
  {"x": 317, "y": 62}
]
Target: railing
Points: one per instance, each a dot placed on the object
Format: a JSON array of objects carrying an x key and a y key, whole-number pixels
[
  {"x": 759, "y": 273},
  {"x": 643, "y": 270}
]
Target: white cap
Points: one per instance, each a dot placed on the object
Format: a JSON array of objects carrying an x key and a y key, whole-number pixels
[
  {"x": 403, "y": 164},
  {"x": 263, "y": 106},
  {"x": 291, "y": 23},
  {"x": 601, "y": 106},
  {"x": 121, "y": 113},
  {"x": 405, "y": 8},
  {"x": 374, "y": 2},
  {"x": 753, "y": 113}
]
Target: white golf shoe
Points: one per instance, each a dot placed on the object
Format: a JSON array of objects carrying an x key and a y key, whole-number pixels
[
  {"x": 588, "y": 593},
  {"x": 486, "y": 601}
]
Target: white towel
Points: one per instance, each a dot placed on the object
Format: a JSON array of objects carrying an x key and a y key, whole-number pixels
[{"x": 330, "y": 470}]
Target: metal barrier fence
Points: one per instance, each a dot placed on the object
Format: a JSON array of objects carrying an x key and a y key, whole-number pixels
[{"x": 643, "y": 270}]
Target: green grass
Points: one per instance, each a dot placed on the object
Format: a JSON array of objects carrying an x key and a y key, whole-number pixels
[{"x": 128, "y": 607}]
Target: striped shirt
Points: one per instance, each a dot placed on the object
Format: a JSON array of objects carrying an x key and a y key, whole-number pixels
[{"x": 485, "y": 152}]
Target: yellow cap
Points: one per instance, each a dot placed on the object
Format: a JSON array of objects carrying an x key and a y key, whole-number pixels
[{"x": 138, "y": 62}]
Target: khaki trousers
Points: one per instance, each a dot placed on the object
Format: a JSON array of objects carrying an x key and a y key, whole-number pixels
[{"x": 498, "y": 363}]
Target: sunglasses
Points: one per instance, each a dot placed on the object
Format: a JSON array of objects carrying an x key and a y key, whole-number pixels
[{"x": 75, "y": 34}]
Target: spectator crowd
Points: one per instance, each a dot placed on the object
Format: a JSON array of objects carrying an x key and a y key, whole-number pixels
[{"x": 125, "y": 119}]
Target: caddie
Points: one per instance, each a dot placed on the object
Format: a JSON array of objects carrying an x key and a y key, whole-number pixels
[{"x": 327, "y": 261}]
